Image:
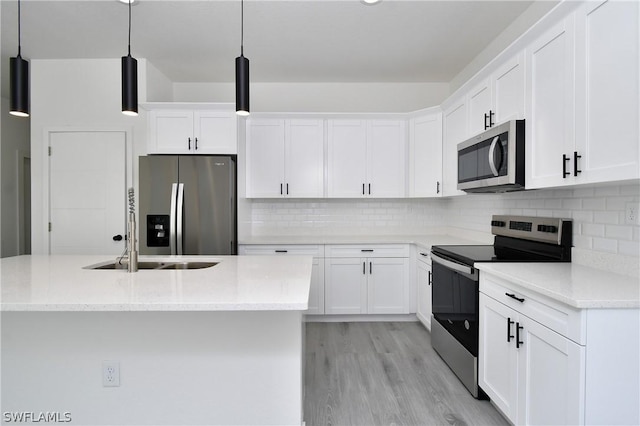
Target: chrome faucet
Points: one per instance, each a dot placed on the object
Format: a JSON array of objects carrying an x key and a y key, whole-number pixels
[{"x": 132, "y": 265}]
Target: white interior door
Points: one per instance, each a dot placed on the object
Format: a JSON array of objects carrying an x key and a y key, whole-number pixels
[{"x": 87, "y": 192}]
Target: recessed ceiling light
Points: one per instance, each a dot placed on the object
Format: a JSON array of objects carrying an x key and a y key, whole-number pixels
[
  {"x": 367, "y": 2},
  {"x": 133, "y": 2}
]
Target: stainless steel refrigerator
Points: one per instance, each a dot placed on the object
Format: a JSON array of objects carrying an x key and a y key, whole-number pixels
[{"x": 187, "y": 205}]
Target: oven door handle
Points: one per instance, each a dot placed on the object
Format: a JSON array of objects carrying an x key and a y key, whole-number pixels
[{"x": 468, "y": 270}]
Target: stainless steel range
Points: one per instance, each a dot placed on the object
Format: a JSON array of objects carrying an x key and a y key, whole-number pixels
[{"x": 455, "y": 287}]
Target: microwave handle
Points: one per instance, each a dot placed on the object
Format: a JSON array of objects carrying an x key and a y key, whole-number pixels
[{"x": 492, "y": 150}]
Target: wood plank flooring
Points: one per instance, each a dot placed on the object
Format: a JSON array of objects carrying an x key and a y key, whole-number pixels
[{"x": 384, "y": 373}]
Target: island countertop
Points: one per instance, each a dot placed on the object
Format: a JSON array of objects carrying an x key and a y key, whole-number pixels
[{"x": 236, "y": 283}]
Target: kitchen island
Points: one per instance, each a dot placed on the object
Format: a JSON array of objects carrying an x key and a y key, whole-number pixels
[{"x": 220, "y": 345}]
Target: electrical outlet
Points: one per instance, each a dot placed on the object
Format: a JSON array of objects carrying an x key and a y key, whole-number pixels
[
  {"x": 110, "y": 373},
  {"x": 631, "y": 214}
]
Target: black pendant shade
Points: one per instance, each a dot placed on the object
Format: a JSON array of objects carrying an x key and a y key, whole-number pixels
[
  {"x": 19, "y": 82},
  {"x": 129, "y": 85},
  {"x": 242, "y": 85}
]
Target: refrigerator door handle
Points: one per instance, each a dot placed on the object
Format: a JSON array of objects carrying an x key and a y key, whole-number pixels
[
  {"x": 180, "y": 210},
  {"x": 172, "y": 219}
]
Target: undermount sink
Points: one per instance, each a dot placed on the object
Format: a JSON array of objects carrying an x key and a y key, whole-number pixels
[{"x": 151, "y": 265}]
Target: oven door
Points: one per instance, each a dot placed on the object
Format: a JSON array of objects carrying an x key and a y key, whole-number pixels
[{"x": 455, "y": 293}]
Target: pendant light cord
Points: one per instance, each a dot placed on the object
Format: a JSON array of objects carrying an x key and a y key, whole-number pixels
[
  {"x": 19, "y": 32},
  {"x": 241, "y": 27},
  {"x": 129, "y": 44}
]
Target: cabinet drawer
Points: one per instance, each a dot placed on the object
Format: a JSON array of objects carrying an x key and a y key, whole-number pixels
[
  {"x": 297, "y": 250},
  {"x": 560, "y": 318},
  {"x": 370, "y": 250}
]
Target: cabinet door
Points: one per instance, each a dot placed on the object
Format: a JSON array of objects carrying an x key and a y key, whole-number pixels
[
  {"x": 550, "y": 107},
  {"x": 607, "y": 91},
  {"x": 345, "y": 286},
  {"x": 497, "y": 356},
  {"x": 316, "y": 293},
  {"x": 425, "y": 156},
  {"x": 479, "y": 104},
  {"x": 388, "y": 285},
  {"x": 455, "y": 131},
  {"x": 304, "y": 158},
  {"x": 347, "y": 158},
  {"x": 265, "y": 158},
  {"x": 508, "y": 90},
  {"x": 170, "y": 132},
  {"x": 386, "y": 158},
  {"x": 551, "y": 377},
  {"x": 423, "y": 277},
  {"x": 214, "y": 132}
]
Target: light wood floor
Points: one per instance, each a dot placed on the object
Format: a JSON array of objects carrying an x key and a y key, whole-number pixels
[{"x": 384, "y": 373}]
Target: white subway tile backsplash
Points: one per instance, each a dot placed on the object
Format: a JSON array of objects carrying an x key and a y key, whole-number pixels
[{"x": 597, "y": 213}]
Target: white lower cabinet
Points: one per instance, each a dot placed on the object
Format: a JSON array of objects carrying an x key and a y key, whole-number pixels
[
  {"x": 367, "y": 284},
  {"x": 423, "y": 289},
  {"x": 531, "y": 373},
  {"x": 316, "y": 292},
  {"x": 543, "y": 362}
]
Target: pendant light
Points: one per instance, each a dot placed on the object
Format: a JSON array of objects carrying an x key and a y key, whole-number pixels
[
  {"x": 19, "y": 81},
  {"x": 242, "y": 72},
  {"x": 129, "y": 78}
]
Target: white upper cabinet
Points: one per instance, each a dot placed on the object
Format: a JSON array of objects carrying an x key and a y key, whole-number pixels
[
  {"x": 285, "y": 158},
  {"x": 366, "y": 158},
  {"x": 550, "y": 107},
  {"x": 425, "y": 155},
  {"x": 498, "y": 98},
  {"x": 455, "y": 130},
  {"x": 607, "y": 87},
  {"x": 188, "y": 131}
]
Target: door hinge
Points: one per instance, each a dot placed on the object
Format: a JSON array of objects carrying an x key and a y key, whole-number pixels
[
  {"x": 49, "y": 151},
  {"x": 49, "y": 226}
]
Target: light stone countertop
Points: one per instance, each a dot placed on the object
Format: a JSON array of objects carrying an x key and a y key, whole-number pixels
[
  {"x": 422, "y": 241},
  {"x": 237, "y": 283},
  {"x": 576, "y": 285}
]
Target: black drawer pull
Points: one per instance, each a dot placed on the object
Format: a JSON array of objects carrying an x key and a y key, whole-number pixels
[
  {"x": 513, "y": 296},
  {"x": 424, "y": 254},
  {"x": 518, "y": 328},
  {"x": 367, "y": 250},
  {"x": 282, "y": 251},
  {"x": 364, "y": 268},
  {"x": 370, "y": 269},
  {"x": 509, "y": 335},
  {"x": 189, "y": 142},
  {"x": 576, "y": 170},
  {"x": 565, "y": 173}
]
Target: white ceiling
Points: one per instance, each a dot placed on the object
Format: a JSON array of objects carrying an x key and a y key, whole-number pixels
[{"x": 286, "y": 41}]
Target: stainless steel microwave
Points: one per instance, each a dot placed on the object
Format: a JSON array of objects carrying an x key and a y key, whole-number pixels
[{"x": 493, "y": 161}]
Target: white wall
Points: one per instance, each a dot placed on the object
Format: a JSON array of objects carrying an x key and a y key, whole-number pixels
[
  {"x": 80, "y": 94},
  {"x": 321, "y": 97},
  {"x": 14, "y": 144}
]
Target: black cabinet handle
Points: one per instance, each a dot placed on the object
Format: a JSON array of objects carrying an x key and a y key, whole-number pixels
[
  {"x": 287, "y": 189},
  {"x": 196, "y": 144},
  {"x": 364, "y": 268},
  {"x": 491, "y": 114},
  {"x": 575, "y": 163},
  {"x": 282, "y": 251},
  {"x": 513, "y": 296},
  {"x": 518, "y": 328},
  {"x": 369, "y": 189},
  {"x": 280, "y": 189},
  {"x": 565, "y": 173},
  {"x": 189, "y": 142},
  {"x": 485, "y": 122},
  {"x": 370, "y": 268},
  {"x": 424, "y": 254},
  {"x": 117, "y": 237},
  {"x": 509, "y": 335},
  {"x": 430, "y": 278},
  {"x": 367, "y": 250},
  {"x": 363, "y": 189},
  {"x": 437, "y": 187}
]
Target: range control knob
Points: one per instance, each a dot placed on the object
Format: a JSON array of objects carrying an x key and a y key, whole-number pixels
[
  {"x": 548, "y": 228},
  {"x": 498, "y": 223}
]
